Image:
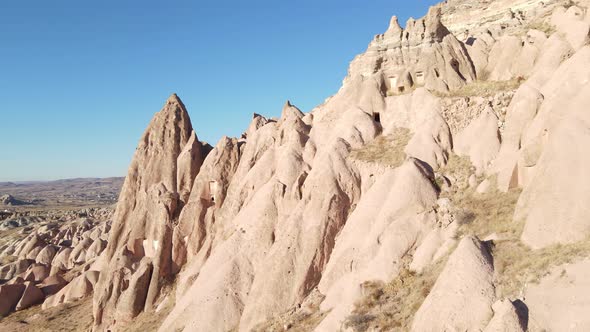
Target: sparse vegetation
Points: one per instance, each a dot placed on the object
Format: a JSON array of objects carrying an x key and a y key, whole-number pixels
[
  {"x": 76, "y": 316},
  {"x": 482, "y": 88},
  {"x": 151, "y": 321},
  {"x": 391, "y": 306},
  {"x": 569, "y": 4},
  {"x": 542, "y": 26},
  {"x": 7, "y": 259},
  {"x": 492, "y": 213},
  {"x": 480, "y": 214},
  {"x": 391, "y": 93},
  {"x": 387, "y": 150},
  {"x": 489, "y": 213},
  {"x": 303, "y": 319},
  {"x": 517, "y": 265}
]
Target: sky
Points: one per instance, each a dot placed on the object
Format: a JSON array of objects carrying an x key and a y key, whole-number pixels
[{"x": 80, "y": 80}]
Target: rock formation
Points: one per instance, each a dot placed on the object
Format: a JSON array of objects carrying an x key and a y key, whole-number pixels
[
  {"x": 48, "y": 260},
  {"x": 466, "y": 282},
  {"x": 10, "y": 200},
  {"x": 472, "y": 125},
  {"x": 148, "y": 205}
]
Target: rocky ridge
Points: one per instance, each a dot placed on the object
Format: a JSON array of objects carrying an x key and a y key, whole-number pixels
[{"x": 283, "y": 230}]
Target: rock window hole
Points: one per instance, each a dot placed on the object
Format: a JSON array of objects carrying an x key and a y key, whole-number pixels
[{"x": 377, "y": 117}]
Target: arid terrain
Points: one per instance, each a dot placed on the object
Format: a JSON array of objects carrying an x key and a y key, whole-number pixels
[
  {"x": 444, "y": 187},
  {"x": 26, "y": 208},
  {"x": 70, "y": 193}
]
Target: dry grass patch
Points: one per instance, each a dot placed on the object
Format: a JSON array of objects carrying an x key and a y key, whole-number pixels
[
  {"x": 298, "y": 319},
  {"x": 76, "y": 316},
  {"x": 392, "y": 306},
  {"x": 542, "y": 26},
  {"x": 482, "y": 88},
  {"x": 387, "y": 150},
  {"x": 485, "y": 214},
  {"x": 9, "y": 235},
  {"x": 7, "y": 259},
  {"x": 518, "y": 265},
  {"x": 480, "y": 214}
]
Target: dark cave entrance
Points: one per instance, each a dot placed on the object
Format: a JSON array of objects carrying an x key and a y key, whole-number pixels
[{"x": 377, "y": 117}]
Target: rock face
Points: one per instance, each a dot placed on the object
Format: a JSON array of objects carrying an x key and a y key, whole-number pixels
[
  {"x": 469, "y": 17},
  {"x": 9, "y": 297},
  {"x": 260, "y": 223},
  {"x": 31, "y": 295},
  {"x": 546, "y": 202},
  {"x": 425, "y": 53},
  {"x": 480, "y": 141},
  {"x": 376, "y": 237},
  {"x": 556, "y": 302},
  {"x": 465, "y": 282},
  {"x": 47, "y": 255},
  {"x": 255, "y": 228},
  {"x": 148, "y": 204},
  {"x": 80, "y": 287},
  {"x": 506, "y": 318},
  {"x": 10, "y": 200}
]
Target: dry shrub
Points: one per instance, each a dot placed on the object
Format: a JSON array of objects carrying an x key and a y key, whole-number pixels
[
  {"x": 299, "y": 319},
  {"x": 542, "y": 26},
  {"x": 485, "y": 214},
  {"x": 75, "y": 316},
  {"x": 387, "y": 150},
  {"x": 7, "y": 259},
  {"x": 391, "y": 306},
  {"x": 482, "y": 88},
  {"x": 518, "y": 265}
]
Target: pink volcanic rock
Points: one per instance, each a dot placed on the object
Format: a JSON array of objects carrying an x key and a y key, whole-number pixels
[
  {"x": 547, "y": 202},
  {"x": 431, "y": 141},
  {"x": 208, "y": 193},
  {"x": 390, "y": 218},
  {"x": 480, "y": 141},
  {"x": 501, "y": 58},
  {"x": 80, "y": 287},
  {"x": 32, "y": 295},
  {"x": 78, "y": 254},
  {"x": 506, "y": 318},
  {"x": 132, "y": 300},
  {"x": 270, "y": 201},
  {"x": 466, "y": 283},
  {"x": 61, "y": 261},
  {"x": 571, "y": 23},
  {"x": 147, "y": 204},
  {"x": 558, "y": 302},
  {"x": 189, "y": 162},
  {"x": 52, "y": 285},
  {"x": 46, "y": 255},
  {"x": 13, "y": 269},
  {"x": 31, "y": 243},
  {"x": 9, "y": 297},
  {"x": 521, "y": 112},
  {"x": 36, "y": 273},
  {"x": 34, "y": 252},
  {"x": 95, "y": 249}
]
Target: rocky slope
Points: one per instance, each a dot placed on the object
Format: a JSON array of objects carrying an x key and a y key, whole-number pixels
[{"x": 428, "y": 194}]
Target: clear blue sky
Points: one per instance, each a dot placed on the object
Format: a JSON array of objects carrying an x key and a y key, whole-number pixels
[{"x": 80, "y": 80}]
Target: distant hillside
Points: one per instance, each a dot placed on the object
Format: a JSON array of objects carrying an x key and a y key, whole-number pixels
[{"x": 66, "y": 192}]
